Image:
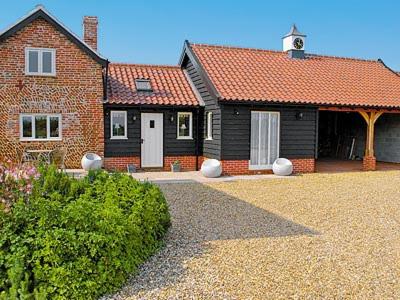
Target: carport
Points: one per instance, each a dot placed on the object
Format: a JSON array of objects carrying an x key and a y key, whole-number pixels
[{"x": 346, "y": 139}]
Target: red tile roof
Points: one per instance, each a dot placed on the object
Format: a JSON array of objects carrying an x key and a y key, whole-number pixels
[
  {"x": 169, "y": 85},
  {"x": 263, "y": 75}
]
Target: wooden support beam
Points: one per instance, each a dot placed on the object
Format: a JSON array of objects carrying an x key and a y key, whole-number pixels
[
  {"x": 370, "y": 118},
  {"x": 353, "y": 109},
  {"x": 365, "y": 115}
]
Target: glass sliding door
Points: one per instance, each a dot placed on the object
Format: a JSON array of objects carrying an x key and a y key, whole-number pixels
[{"x": 264, "y": 141}]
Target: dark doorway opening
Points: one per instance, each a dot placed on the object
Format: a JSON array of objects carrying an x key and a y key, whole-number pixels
[{"x": 341, "y": 135}]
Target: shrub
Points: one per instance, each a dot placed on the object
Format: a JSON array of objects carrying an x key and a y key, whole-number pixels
[
  {"x": 78, "y": 239},
  {"x": 15, "y": 183}
]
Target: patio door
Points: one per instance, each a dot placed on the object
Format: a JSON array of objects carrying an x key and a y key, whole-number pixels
[
  {"x": 264, "y": 141},
  {"x": 152, "y": 140}
]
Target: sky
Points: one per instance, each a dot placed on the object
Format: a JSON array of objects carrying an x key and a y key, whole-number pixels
[{"x": 153, "y": 32}]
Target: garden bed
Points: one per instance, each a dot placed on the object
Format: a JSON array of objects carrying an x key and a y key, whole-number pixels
[{"x": 64, "y": 238}]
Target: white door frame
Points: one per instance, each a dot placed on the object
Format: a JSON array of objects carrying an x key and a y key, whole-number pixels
[
  {"x": 267, "y": 166},
  {"x": 152, "y": 142}
]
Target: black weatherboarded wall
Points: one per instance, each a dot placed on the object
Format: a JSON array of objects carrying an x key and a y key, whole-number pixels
[
  {"x": 297, "y": 137},
  {"x": 132, "y": 145},
  {"x": 210, "y": 148}
]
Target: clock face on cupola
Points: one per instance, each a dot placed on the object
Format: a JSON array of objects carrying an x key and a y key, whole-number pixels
[
  {"x": 294, "y": 41},
  {"x": 298, "y": 43}
]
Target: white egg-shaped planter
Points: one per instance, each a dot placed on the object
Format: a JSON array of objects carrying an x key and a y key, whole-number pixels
[
  {"x": 91, "y": 161},
  {"x": 282, "y": 167},
  {"x": 211, "y": 168}
]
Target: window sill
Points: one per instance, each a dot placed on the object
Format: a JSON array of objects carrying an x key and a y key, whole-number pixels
[
  {"x": 40, "y": 74},
  {"x": 40, "y": 140},
  {"x": 118, "y": 138},
  {"x": 184, "y": 138},
  {"x": 208, "y": 139}
]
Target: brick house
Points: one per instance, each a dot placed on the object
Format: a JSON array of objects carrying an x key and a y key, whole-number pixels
[
  {"x": 51, "y": 87},
  {"x": 244, "y": 107}
]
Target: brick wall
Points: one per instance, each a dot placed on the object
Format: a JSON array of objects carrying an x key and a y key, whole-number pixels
[
  {"x": 241, "y": 167},
  {"x": 188, "y": 163},
  {"x": 235, "y": 167},
  {"x": 303, "y": 165},
  {"x": 76, "y": 92},
  {"x": 120, "y": 163}
]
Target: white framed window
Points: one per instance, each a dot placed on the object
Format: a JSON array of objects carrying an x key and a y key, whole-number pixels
[
  {"x": 119, "y": 124},
  {"x": 184, "y": 125},
  {"x": 209, "y": 128},
  {"x": 264, "y": 140},
  {"x": 40, "y": 127},
  {"x": 40, "y": 61}
]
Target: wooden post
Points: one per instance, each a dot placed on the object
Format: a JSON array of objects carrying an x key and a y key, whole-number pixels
[{"x": 370, "y": 118}]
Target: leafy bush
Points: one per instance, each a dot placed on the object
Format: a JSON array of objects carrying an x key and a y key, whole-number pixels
[{"x": 78, "y": 239}]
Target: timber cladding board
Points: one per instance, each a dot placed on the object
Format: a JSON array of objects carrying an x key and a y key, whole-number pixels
[
  {"x": 211, "y": 148},
  {"x": 76, "y": 92},
  {"x": 132, "y": 145},
  {"x": 297, "y": 137}
]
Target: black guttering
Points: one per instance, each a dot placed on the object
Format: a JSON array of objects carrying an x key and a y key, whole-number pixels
[
  {"x": 187, "y": 51},
  {"x": 40, "y": 12},
  {"x": 105, "y": 82},
  {"x": 198, "y": 136}
]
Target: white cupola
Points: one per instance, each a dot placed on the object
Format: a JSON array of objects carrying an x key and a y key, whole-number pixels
[{"x": 294, "y": 43}]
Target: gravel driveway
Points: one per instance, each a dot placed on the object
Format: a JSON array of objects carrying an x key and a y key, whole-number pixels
[{"x": 331, "y": 236}]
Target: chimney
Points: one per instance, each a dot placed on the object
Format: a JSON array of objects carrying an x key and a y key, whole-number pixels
[{"x": 90, "y": 31}]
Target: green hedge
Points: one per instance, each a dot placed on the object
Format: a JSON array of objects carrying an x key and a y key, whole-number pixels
[{"x": 79, "y": 239}]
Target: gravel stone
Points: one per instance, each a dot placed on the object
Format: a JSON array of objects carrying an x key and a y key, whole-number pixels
[{"x": 330, "y": 236}]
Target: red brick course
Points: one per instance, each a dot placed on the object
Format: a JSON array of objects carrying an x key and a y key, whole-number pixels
[
  {"x": 188, "y": 163},
  {"x": 241, "y": 167},
  {"x": 76, "y": 92},
  {"x": 120, "y": 163},
  {"x": 369, "y": 163},
  {"x": 235, "y": 167},
  {"x": 303, "y": 165}
]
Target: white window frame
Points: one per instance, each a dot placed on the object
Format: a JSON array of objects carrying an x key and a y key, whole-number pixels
[
  {"x": 119, "y": 137},
  {"x": 33, "y": 118},
  {"x": 40, "y": 61},
  {"x": 209, "y": 129},
  {"x": 268, "y": 167},
  {"x": 190, "y": 137}
]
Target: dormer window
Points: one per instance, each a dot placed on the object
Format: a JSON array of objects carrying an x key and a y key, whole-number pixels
[
  {"x": 143, "y": 85},
  {"x": 40, "y": 61}
]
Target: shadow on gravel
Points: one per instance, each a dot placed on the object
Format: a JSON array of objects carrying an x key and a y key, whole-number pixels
[{"x": 201, "y": 214}]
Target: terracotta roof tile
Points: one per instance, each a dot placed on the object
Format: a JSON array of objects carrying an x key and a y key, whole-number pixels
[
  {"x": 169, "y": 85},
  {"x": 263, "y": 75}
]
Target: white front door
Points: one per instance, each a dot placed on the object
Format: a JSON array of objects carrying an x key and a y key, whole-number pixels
[
  {"x": 152, "y": 140},
  {"x": 264, "y": 141}
]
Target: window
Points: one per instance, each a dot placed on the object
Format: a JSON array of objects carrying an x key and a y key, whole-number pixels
[
  {"x": 209, "y": 133},
  {"x": 39, "y": 61},
  {"x": 264, "y": 141},
  {"x": 119, "y": 125},
  {"x": 143, "y": 85},
  {"x": 40, "y": 127},
  {"x": 184, "y": 125}
]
